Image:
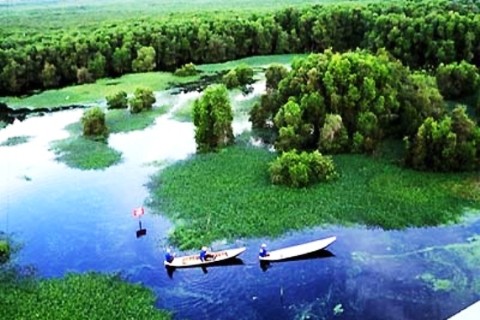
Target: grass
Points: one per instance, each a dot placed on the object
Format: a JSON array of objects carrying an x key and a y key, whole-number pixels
[
  {"x": 254, "y": 62},
  {"x": 82, "y": 153},
  {"x": 242, "y": 202},
  {"x": 87, "y": 296},
  {"x": 86, "y": 154},
  {"x": 13, "y": 141},
  {"x": 123, "y": 121},
  {"x": 96, "y": 92},
  {"x": 157, "y": 81}
]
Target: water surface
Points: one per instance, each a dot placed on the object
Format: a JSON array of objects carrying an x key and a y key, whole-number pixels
[{"x": 76, "y": 221}]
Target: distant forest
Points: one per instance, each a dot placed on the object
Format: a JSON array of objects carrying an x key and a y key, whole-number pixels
[{"x": 421, "y": 34}]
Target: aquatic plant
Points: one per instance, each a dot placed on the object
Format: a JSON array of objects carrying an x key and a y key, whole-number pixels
[
  {"x": 123, "y": 121},
  {"x": 228, "y": 195},
  {"x": 13, "y": 141},
  {"x": 117, "y": 100},
  {"x": 76, "y": 296},
  {"x": 142, "y": 100},
  {"x": 86, "y": 154}
]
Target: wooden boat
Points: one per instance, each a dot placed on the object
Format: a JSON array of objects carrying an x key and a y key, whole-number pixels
[
  {"x": 194, "y": 260},
  {"x": 298, "y": 250}
]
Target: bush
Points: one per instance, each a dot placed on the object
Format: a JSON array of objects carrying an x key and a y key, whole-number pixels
[
  {"x": 450, "y": 144},
  {"x": 117, "y": 100},
  {"x": 143, "y": 99},
  {"x": 230, "y": 80},
  {"x": 93, "y": 122},
  {"x": 240, "y": 76},
  {"x": 274, "y": 74},
  {"x": 457, "y": 79},
  {"x": 4, "y": 251},
  {"x": 301, "y": 169},
  {"x": 186, "y": 70}
]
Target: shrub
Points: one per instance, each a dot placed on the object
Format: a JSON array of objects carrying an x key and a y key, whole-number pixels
[
  {"x": 301, "y": 169},
  {"x": 4, "y": 251},
  {"x": 274, "y": 74},
  {"x": 117, "y": 100},
  {"x": 186, "y": 70},
  {"x": 93, "y": 122},
  {"x": 457, "y": 79},
  {"x": 143, "y": 99},
  {"x": 240, "y": 76},
  {"x": 230, "y": 80}
]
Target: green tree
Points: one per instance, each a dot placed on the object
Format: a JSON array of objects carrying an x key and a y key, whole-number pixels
[
  {"x": 212, "y": 117},
  {"x": 274, "y": 74},
  {"x": 117, "y": 100},
  {"x": 145, "y": 60},
  {"x": 49, "y": 75},
  {"x": 187, "y": 70},
  {"x": 4, "y": 251},
  {"x": 143, "y": 99},
  {"x": 457, "y": 79},
  {"x": 93, "y": 122}
]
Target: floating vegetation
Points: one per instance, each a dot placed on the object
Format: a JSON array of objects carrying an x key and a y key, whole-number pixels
[
  {"x": 123, "y": 121},
  {"x": 87, "y": 296},
  {"x": 86, "y": 154},
  {"x": 13, "y": 141},
  {"x": 435, "y": 283},
  {"x": 242, "y": 202}
]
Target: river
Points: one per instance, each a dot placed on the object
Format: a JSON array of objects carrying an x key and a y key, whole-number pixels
[{"x": 76, "y": 221}]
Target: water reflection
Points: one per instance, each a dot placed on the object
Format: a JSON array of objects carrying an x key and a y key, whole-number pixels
[{"x": 322, "y": 254}]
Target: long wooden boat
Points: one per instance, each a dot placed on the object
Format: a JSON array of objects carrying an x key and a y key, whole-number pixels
[
  {"x": 298, "y": 250},
  {"x": 194, "y": 260}
]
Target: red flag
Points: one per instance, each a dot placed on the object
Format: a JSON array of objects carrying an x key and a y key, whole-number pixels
[{"x": 138, "y": 212}]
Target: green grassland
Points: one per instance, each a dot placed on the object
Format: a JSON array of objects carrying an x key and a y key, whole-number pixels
[
  {"x": 95, "y": 92},
  {"x": 157, "y": 81},
  {"x": 228, "y": 195}
]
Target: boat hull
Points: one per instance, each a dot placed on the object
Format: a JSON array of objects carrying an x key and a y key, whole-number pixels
[
  {"x": 298, "y": 250},
  {"x": 194, "y": 260}
]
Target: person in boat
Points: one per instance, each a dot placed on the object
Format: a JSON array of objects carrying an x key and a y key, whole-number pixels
[
  {"x": 169, "y": 256},
  {"x": 205, "y": 255},
  {"x": 263, "y": 251}
]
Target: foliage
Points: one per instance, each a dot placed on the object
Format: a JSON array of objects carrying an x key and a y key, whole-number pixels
[
  {"x": 118, "y": 100},
  {"x": 242, "y": 202},
  {"x": 186, "y": 70},
  {"x": 13, "y": 141},
  {"x": 93, "y": 122},
  {"x": 343, "y": 102},
  {"x": 145, "y": 60},
  {"x": 274, "y": 74},
  {"x": 301, "y": 169},
  {"x": 419, "y": 33},
  {"x": 143, "y": 99},
  {"x": 456, "y": 80},
  {"x": 4, "y": 251},
  {"x": 76, "y": 296},
  {"x": 241, "y": 75},
  {"x": 89, "y": 93},
  {"x": 212, "y": 117},
  {"x": 450, "y": 144}
]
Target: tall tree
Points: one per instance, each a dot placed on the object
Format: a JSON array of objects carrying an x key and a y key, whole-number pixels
[{"x": 212, "y": 117}]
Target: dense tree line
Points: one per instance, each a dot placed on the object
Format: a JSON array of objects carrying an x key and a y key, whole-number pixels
[
  {"x": 349, "y": 102},
  {"x": 420, "y": 34},
  {"x": 344, "y": 102}
]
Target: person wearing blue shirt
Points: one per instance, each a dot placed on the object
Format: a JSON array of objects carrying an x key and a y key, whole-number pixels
[
  {"x": 263, "y": 251},
  {"x": 204, "y": 255},
  {"x": 169, "y": 256}
]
